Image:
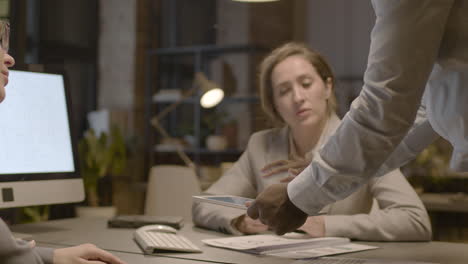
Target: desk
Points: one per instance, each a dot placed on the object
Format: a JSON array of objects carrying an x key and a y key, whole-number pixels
[
  {"x": 75, "y": 231},
  {"x": 131, "y": 258}
]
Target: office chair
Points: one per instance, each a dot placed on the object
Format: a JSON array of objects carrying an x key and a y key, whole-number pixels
[{"x": 170, "y": 189}]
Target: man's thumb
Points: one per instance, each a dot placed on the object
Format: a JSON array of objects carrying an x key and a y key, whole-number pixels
[{"x": 252, "y": 211}]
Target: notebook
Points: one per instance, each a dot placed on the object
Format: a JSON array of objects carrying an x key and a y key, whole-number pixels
[{"x": 290, "y": 246}]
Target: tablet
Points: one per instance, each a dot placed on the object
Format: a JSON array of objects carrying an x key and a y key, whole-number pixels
[{"x": 225, "y": 200}]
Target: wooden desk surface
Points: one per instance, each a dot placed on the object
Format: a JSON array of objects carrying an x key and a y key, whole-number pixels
[
  {"x": 131, "y": 258},
  {"x": 76, "y": 231}
]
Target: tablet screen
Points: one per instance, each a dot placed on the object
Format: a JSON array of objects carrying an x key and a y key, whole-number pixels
[
  {"x": 226, "y": 200},
  {"x": 231, "y": 199}
]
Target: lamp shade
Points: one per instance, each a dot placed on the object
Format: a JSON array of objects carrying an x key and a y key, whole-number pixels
[{"x": 212, "y": 94}]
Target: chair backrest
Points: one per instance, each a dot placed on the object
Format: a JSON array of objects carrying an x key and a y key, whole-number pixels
[{"x": 170, "y": 189}]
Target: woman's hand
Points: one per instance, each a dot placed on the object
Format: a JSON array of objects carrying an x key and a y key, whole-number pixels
[
  {"x": 249, "y": 226},
  {"x": 314, "y": 226},
  {"x": 84, "y": 254},
  {"x": 293, "y": 167}
]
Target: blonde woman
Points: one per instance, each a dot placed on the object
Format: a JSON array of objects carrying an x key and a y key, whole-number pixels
[{"x": 297, "y": 94}]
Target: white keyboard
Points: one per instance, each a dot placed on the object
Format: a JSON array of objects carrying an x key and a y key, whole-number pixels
[
  {"x": 152, "y": 241},
  {"x": 335, "y": 261}
]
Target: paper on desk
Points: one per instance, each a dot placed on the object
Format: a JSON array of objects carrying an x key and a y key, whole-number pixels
[
  {"x": 281, "y": 246},
  {"x": 321, "y": 251}
]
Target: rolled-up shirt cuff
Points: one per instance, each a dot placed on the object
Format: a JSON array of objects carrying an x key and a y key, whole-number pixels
[
  {"x": 226, "y": 222},
  {"x": 305, "y": 194}
]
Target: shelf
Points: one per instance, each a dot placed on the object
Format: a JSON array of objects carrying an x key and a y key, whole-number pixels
[
  {"x": 184, "y": 50},
  {"x": 227, "y": 100},
  {"x": 201, "y": 158},
  {"x": 202, "y": 151},
  {"x": 241, "y": 99},
  {"x": 445, "y": 202},
  {"x": 176, "y": 80},
  {"x": 189, "y": 100}
]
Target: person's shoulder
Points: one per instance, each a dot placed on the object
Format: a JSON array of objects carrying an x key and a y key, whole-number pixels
[
  {"x": 265, "y": 140},
  {"x": 267, "y": 135}
]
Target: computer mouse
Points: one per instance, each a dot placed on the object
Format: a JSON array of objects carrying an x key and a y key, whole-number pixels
[{"x": 160, "y": 228}]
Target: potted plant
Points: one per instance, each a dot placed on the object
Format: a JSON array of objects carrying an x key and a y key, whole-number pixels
[
  {"x": 100, "y": 156},
  {"x": 213, "y": 122},
  {"x": 429, "y": 171}
]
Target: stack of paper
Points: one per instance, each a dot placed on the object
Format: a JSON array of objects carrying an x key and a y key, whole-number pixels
[{"x": 280, "y": 246}]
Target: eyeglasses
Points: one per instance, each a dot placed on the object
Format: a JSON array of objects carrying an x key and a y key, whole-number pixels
[{"x": 4, "y": 35}]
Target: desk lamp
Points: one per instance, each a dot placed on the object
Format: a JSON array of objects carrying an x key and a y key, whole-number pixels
[
  {"x": 211, "y": 96},
  {"x": 212, "y": 93}
]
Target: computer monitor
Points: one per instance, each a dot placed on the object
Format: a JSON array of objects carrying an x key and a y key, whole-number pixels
[{"x": 37, "y": 154}]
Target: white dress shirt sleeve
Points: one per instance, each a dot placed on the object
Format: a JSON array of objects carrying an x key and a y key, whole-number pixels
[
  {"x": 404, "y": 46},
  {"x": 418, "y": 138}
]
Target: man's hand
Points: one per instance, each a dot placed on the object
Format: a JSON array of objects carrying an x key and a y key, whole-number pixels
[
  {"x": 84, "y": 254},
  {"x": 249, "y": 226},
  {"x": 274, "y": 209}
]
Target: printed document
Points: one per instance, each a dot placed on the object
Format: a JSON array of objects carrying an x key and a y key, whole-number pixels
[{"x": 288, "y": 247}]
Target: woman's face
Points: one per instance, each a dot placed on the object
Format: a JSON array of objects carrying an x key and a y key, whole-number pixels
[
  {"x": 300, "y": 95},
  {"x": 6, "y": 61}
]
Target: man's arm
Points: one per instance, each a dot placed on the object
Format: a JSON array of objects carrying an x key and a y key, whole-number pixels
[
  {"x": 418, "y": 138},
  {"x": 404, "y": 46}
]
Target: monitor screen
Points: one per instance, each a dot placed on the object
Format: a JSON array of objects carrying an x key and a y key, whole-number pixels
[{"x": 37, "y": 154}]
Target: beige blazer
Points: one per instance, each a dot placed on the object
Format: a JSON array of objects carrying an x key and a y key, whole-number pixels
[{"x": 398, "y": 213}]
